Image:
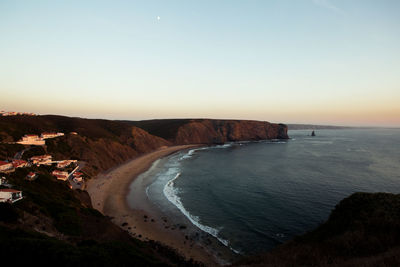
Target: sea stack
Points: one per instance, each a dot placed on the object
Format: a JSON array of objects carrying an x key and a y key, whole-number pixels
[{"x": 313, "y": 133}]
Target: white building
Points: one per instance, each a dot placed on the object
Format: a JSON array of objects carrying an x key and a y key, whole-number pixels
[
  {"x": 50, "y": 135},
  {"x": 60, "y": 175},
  {"x": 19, "y": 163},
  {"x": 65, "y": 163},
  {"x": 31, "y": 139},
  {"x": 41, "y": 160},
  {"x": 10, "y": 195}
]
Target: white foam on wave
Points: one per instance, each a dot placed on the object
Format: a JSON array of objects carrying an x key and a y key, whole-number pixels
[
  {"x": 171, "y": 193},
  {"x": 190, "y": 153},
  {"x": 222, "y": 146}
]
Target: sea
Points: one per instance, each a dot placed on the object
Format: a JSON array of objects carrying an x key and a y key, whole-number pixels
[{"x": 253, "y": 196}]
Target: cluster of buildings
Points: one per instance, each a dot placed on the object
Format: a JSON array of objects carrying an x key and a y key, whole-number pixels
[
  {"x": 34, "y": 139},
  {"x": 13, "y": 113},
  {"x": 7, "y": 167},
  {"x": 11, "y": 195}
]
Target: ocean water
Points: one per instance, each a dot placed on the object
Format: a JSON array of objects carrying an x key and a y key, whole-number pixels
[{"x": 253, "y": 196}]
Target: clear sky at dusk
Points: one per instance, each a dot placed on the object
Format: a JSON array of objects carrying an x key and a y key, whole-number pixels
[{"x": 301, "y": 61}]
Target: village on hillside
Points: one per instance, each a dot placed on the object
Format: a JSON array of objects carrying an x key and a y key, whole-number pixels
[
  {"x": 66, "y": 170},
  {"x": 14, "y": 113}
]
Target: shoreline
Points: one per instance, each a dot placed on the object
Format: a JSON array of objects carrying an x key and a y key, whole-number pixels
[{"x": 109, "y": 194}]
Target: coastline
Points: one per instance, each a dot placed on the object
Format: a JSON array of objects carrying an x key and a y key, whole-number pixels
[{"x": 109, "y": 191}]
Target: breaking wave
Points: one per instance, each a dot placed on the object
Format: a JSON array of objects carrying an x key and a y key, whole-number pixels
[
  {"x": 190, "y": 153},
  {"x": 171, "y": 193}
]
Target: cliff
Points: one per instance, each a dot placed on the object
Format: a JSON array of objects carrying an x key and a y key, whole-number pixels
[
  {"x": 206, "y": 131},
  {"x": 362, "y": 230}
]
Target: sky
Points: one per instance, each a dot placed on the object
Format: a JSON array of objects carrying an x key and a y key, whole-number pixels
[{"x": 331, "y": 62}]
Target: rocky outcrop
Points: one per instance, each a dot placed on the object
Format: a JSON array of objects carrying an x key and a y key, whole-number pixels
[
  {"x": 221, "y": 131},
  {"x": 362, "y": 230}
]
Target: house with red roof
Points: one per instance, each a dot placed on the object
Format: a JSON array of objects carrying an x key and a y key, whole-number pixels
[
  {"x": 43, "y": 159},
  {"x": 17, "y": 163},
  {"x": 5, "y": 166},
  {"x": 65, "y": 163},
  {"x": 31, "y": 176},
  {"x": 60, "y": 175}
]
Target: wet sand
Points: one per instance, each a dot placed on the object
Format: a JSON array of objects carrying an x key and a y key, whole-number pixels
[{"x": 109, "y": 191}]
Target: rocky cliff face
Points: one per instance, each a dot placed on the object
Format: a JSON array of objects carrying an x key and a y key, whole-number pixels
[{"x": 221, "y": 131}]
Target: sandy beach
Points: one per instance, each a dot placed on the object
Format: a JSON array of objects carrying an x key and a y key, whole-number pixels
[{"x": 109, "y": 190}]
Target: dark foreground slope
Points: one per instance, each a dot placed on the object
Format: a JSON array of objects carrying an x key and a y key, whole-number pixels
[
  {"x": 363, "y": 230},
  {"x": 56, "y": 225},
  {"x": 207, "y": 131}
]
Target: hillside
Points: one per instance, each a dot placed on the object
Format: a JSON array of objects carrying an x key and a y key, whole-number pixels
[
  {"x": 54, "y": 224},
  {"x": 103, "y": 144},
  {"x": 363, "y": 230}
]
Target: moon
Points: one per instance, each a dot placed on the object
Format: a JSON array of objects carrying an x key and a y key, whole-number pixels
[{"x": 158, "y": 17}]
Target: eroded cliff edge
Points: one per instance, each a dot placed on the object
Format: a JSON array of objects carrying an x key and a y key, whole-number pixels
[{"x": 207, "y": 131}]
